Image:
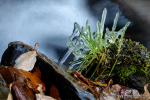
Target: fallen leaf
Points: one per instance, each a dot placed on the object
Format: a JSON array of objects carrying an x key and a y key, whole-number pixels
[
  {"x": 31, "y": 78},
  {"x": 11, "y": 74},
  {"x": 43, "y": 97},
  {"x": 26, "y": 61},
  {"x": 10, "y": 95},
  {"x": 146, "y": 94},
  {"x": 108, "y": 89},
  {"x": 116, "y": 88},
  {"x": 21, "y": 91},
  {"x": 86, "y": 84},
  {"x": 54, "y": 92}
]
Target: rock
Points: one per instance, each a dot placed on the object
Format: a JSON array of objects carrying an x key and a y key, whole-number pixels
[{"x": 51, "y": 73}]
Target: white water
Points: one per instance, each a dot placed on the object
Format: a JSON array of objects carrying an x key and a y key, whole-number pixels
[{"x": 48, "y": 22}]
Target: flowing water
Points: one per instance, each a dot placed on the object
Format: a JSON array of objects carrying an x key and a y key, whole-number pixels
[{"x": 48, "y": 22}]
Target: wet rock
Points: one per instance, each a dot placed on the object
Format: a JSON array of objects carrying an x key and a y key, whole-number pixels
[{"x": 51, "y": 73}]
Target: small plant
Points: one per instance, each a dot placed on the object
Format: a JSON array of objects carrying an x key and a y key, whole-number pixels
[
  {"x": 106, "y": 54},
  {"x": 91, "y": 49}
]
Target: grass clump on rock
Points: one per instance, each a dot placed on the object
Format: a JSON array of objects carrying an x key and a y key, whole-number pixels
[{"x": 106, "y": 54}]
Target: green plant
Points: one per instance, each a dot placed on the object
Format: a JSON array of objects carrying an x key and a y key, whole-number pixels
[
  {"x": 133, "y": 65},
  {"x": 106, "y": 54},
  {"x": 126, "y": 72},
  {"x": 92, "y": 50}
]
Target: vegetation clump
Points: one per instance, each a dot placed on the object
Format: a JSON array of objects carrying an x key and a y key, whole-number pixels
[{"x": 105, "y": 54}]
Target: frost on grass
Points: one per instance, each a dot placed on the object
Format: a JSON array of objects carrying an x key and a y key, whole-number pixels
[{"x": 106, "y": 54}]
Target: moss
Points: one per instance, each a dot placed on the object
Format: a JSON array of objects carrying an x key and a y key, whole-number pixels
[{"x": 134, "y": 59}]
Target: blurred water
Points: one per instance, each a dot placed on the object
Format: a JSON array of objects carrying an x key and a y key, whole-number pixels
[{"x": 48, "y": 22}]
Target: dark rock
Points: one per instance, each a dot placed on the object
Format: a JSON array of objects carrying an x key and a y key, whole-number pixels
[{"x": 51, "y": 73}]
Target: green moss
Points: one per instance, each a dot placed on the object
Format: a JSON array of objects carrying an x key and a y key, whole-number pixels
[{"x": 134, "y": 59}]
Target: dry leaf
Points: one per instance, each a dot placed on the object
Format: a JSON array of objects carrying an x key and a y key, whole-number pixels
[
  {"x": 32, "y": 79},
  {"x": 54, "y": 92},
  {"x": 43, "y": 97},
  {"x": 21, "y": 91},
  {"x": 116, "y": 88},
  {"x": 10, "y": 74},
  {"x": 86, "y": 84},
  {"x": 26, "y": 61},
  {"x": 10, "y": 95},
  {"x": 146, "y": 94}
]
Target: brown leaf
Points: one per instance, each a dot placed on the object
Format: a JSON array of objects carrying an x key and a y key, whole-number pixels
[
  {"x": 31, "y": 78},
  {"x": 54, "y": 92},
  {"x": 6, "y": 74},
  {"x": 12, "y": 74},
  {"x": 36, "y": 71},
  {"x": 86, "y": 84},
  {"x": 21, "y": 91}
]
